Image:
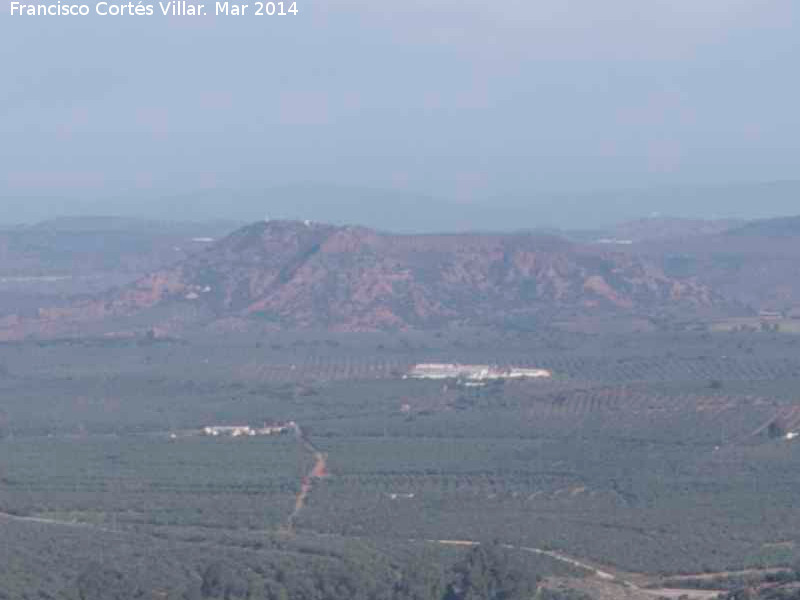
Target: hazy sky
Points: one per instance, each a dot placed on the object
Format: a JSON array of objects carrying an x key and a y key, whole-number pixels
[{"x": 459, "y": 99}]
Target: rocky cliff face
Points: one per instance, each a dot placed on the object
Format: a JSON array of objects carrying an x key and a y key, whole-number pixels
[{"x": 302, "y": 275}]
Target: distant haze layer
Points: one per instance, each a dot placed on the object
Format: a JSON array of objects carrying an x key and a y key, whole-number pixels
[
  {"x": 473, "y": 102},
  {"x": 408, "y": 212}
]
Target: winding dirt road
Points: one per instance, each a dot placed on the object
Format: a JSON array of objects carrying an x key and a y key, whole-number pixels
[
  {"x": 318, "y": 471},
  {"x": 604, "y": 576}
]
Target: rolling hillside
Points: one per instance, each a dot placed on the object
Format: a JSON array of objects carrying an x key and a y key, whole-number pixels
[{"x": 308, "y": 275}]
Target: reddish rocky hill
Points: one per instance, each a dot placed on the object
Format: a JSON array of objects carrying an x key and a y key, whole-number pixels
[
  {"x": 756, "y": 265},
  {"x": 308, "y": 275}
]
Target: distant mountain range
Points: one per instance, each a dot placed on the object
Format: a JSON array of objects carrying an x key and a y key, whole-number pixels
[
  {"x": 782, "y": 227},
  {"x": 670, "y": 228},
  {"x": 405, "y": 211}
]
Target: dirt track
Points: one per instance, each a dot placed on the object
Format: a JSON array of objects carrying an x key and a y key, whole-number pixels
[
  {"x": 607, "y": 584},
  {"x": 318, "y": 471}
]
